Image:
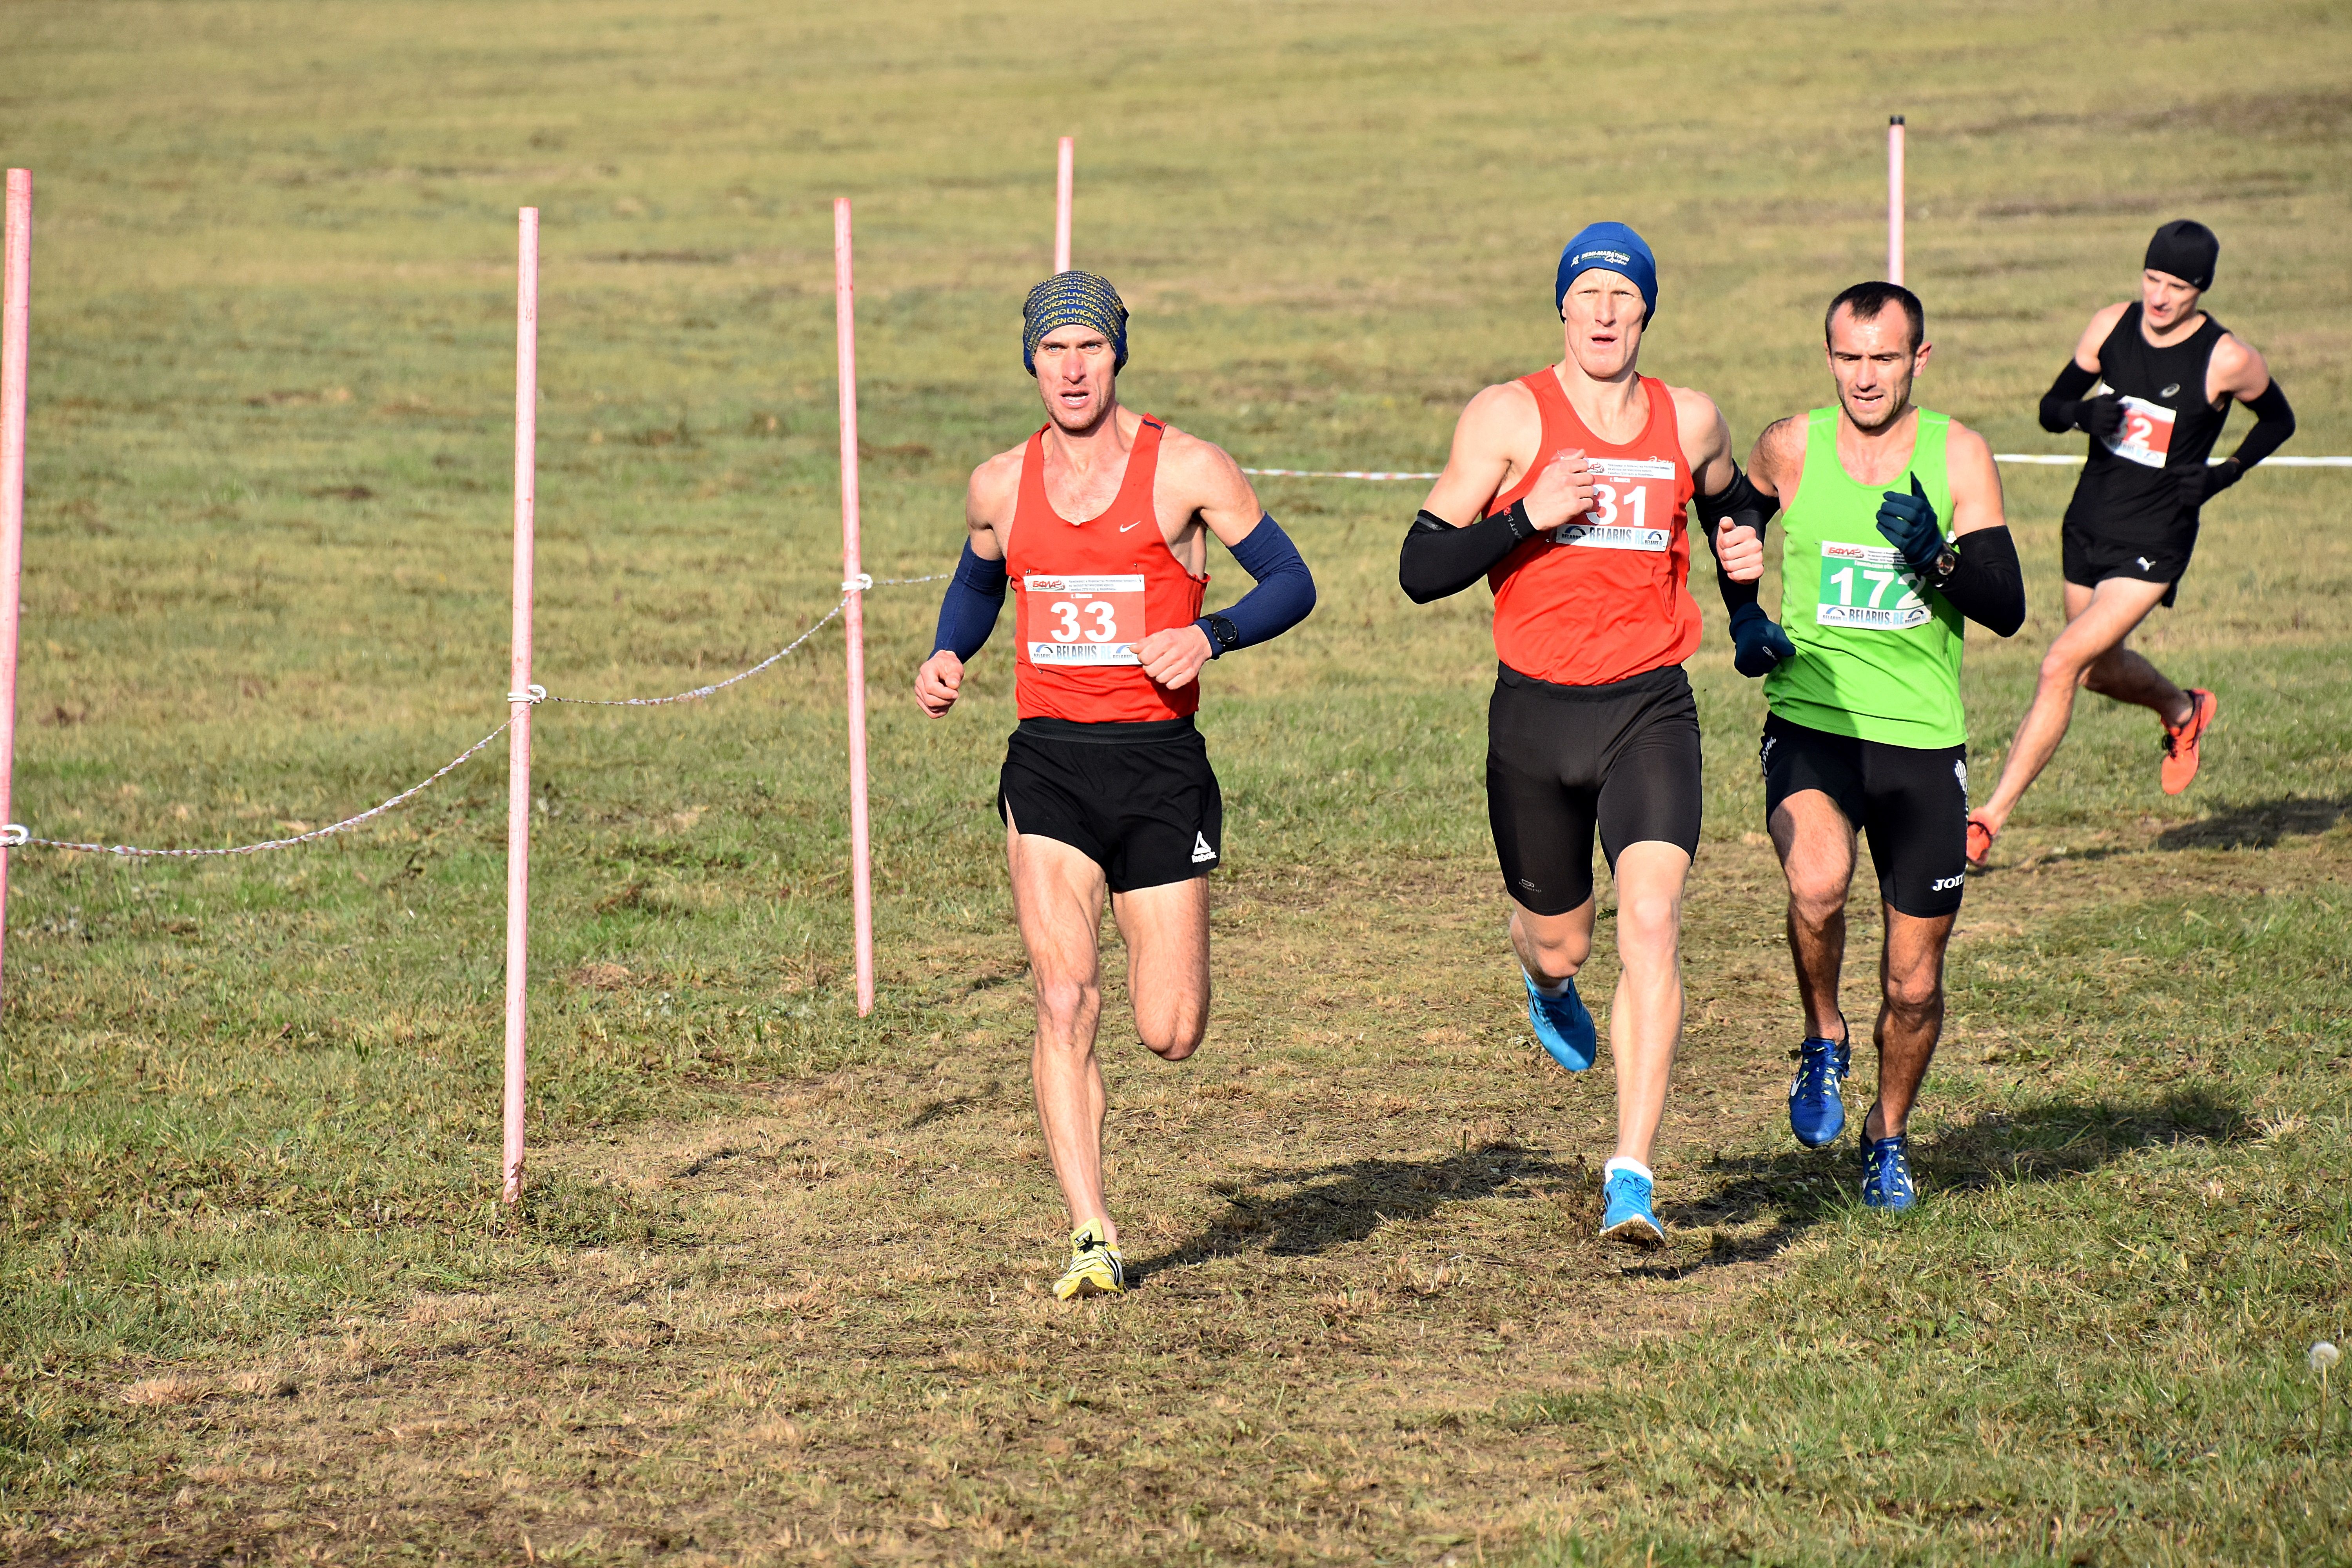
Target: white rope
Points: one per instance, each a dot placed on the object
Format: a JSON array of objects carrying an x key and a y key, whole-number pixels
[
  {"x": 349, "y": 822},
  {"x": 858, "y": 583},
  {"x": 1335, "y": 474},
  {"x": 15, "y": 835},
  {"x": 2076, "y": 460},
  {"x": 2063, "y": 459},
  {"x": 716, "y": 686}
]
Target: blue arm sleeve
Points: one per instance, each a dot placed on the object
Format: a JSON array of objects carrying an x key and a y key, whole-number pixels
[
  {"x": 975, "y": 596},
  {"x": 1282, "y": 597}
]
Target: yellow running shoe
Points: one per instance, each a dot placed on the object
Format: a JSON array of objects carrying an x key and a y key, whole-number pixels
[{"x": 1096, "y": 1267}]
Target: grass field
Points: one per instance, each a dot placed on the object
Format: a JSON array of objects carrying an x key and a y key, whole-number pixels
[{"x": 778, "y": 1292}]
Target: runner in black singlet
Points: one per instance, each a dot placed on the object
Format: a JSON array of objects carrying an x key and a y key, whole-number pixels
[{"x": 2151, "y": 381}]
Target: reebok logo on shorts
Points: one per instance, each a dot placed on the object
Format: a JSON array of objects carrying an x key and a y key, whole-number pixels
[{"x": 1202, "y": 853}]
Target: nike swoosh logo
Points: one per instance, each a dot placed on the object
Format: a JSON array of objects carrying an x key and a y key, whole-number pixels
[{"x": 1125, "y": 526}]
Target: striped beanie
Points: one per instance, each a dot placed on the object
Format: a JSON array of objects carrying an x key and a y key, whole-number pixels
[{"x": 1068, "y": 300}]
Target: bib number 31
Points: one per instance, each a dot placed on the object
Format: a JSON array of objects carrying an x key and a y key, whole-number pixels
[
  {"x": 1084, "y": 620},
  {"x": 1633, "y": 499}
]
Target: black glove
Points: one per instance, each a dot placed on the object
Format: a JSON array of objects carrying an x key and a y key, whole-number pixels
[
  {"x": 1909, "y": 524},
  {"x": 1757, "y": 643},
  {"x": 2220, "y": 477},
  {"x": 2100, "y": 416}
]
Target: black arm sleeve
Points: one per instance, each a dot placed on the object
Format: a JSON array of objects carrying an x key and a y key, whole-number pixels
[
  {"x": 1439, "y": 559},
  {"x": 1986, "y": 583},
  {"x": 2274, "y": 423},
  {"x": 1739, "y": 500},
  {"x": 1747, "y": 507},
  {"x": 2062, "y": 405}
]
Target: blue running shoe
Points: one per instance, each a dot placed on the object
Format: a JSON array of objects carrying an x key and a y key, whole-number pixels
[
  {"x": 1886, "y": 1181},
  {"x": 1625, "y": 1211},
  {"x": 1563, "y": 1026},
  {"x": 1817, "y": 1098}
]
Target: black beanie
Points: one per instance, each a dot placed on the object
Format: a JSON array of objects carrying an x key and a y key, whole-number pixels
[{"x": 2186, "y": 250}]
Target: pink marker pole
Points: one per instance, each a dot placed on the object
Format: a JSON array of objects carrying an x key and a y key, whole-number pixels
[
  {"x": 15, "y": 333},
  {"x": 1895, "y": 199},
  {"x": 853, "y": 584},
  {"x": 518, "y": 692},
  {"x": 1065, "y": 178}
]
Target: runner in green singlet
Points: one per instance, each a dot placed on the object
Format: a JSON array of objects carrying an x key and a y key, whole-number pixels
[{"x": 1892, "y": 533}]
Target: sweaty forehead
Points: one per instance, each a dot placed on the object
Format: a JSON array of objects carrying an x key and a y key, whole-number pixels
[{"x": 1889, "y": 332}]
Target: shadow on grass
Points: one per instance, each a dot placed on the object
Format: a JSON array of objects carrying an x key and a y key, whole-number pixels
[
  {"x": 2053, "y": 1142},
  {"x": 1301, "y": 1214},
  {"x": 2257, "y": 826}
]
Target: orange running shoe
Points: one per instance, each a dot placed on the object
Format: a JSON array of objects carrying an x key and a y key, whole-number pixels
[
  {"x": 1981, "y": 838},
  {"x": 2180, "y": 745}
]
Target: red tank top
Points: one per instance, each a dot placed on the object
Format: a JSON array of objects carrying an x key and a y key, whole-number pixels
[
  {"x": 1089, "y": 592},
  {"x": 1605, "y": 597}
]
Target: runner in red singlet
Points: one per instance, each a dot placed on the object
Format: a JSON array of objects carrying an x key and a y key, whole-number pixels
[
  {"x": 1572, "y": 484},
  {"x": 1100, "y": 522}
]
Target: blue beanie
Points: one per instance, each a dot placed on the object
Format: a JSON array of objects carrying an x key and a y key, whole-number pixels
[
  {"x": 1073, "y": 299},
  {"x": 1615, "y": 248}
]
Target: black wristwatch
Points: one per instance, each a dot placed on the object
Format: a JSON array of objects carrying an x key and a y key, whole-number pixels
[{"x": 1223, "y": 636}]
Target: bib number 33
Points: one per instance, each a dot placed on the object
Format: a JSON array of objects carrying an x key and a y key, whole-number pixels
[{"x": 1084, "y": 620}]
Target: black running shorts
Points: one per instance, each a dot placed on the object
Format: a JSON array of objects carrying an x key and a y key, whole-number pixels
[
  {"x": 2150, "y": 555},
  {"x": 1564, "y": 760},
  {"x": 1138, "y": 800},
  {"x": 1912, "y": 802}
]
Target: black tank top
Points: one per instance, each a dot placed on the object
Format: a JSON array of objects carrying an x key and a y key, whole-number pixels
[{"x": 2136, "y": 484}]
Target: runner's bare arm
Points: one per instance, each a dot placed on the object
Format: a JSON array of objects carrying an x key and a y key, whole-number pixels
[
  {"x": 1454, "y": 540},
  {"x": 1975, "y": 479},
  {"x": 1707, "y": 449},
  {"x": 1499, "y": 430},
  {"x": 2237, "y": 371},
  {"x": 1981, "y": 574},
  {"x": 1200, "y": 482},
  {"x": 1778, "y": 460},
  {"x": 970, "y": 606},
  {"x": 2087, "y": 348}
]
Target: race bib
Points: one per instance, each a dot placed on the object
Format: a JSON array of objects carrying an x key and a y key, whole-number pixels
[
  {"x": 1084, "y": 620},
  {"x": 1868, "y": 586},
  {"x": 2145, "y": 437},
  {"x": 1632, "y": 507}
]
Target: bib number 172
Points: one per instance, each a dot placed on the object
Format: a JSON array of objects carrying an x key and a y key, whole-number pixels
[{"x": 1868, "y": 588}]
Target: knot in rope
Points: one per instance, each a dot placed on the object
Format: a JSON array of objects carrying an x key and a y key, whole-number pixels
[
  {"x": 12, "y": 834},
  {"x": 533, "y": 693},
  {"x": 860, "y": 584}
]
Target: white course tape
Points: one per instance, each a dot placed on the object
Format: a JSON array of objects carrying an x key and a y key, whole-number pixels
[
  {"x": 12, "y": 835},
  {"x": 2061, "y": 460}
]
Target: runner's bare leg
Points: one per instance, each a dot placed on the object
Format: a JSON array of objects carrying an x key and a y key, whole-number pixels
[
  {"x": 1057, "y": 898},
  {"x": 1552, "y": 948},
  {"x": 1910, "y": 1014},
  {"x": 1646, "y": 1015},
  {"x": 1816, "y": 846},
  {"x": 2097, "y": 621},
  {"x": 1166, "y": 930}
]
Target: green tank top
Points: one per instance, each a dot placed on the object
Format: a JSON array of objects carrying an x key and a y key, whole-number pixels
[{"x": 1877, "y": 657}]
